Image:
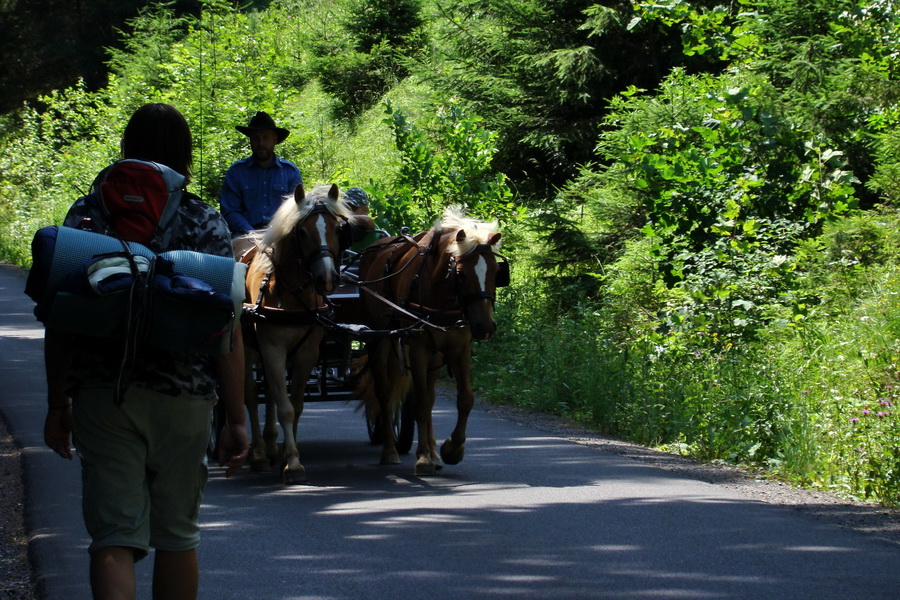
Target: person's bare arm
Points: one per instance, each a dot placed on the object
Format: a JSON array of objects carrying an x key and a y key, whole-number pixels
[
  {"x": 233, "y": 441},
  {"x": 58, "y": 425}
]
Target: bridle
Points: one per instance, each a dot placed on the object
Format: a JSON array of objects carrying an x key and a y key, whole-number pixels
[
  {"x": 324, "y": 250},
  {"x": 455, "y": 272},
  {"x": 258, "y": 312}
]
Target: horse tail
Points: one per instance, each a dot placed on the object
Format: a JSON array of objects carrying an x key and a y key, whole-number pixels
[
  {"x": 385, "y": 379},
  {"x": 364, "y": 390}
]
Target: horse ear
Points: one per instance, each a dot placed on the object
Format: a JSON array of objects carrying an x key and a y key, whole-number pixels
[
  {"x": 494, "y": 239},
  {"x": 334, "y": 193},
  {"x": 460, "y": 235},
  {"x": 299, "y": 193}
]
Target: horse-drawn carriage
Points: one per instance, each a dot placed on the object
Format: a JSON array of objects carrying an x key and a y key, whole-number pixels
[{"x": 323, "y": 324}]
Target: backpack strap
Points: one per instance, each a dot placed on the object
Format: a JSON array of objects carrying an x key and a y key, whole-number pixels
[
  {"x": 135, "y": 322},
  {"x": 175, "y": 185}
]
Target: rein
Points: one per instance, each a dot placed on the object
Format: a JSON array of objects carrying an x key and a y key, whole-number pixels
[
  {"x": 418, "y": 319},
  {"x": 422, "y": 251}
]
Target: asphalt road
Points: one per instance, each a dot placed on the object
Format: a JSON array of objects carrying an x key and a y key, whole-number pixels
[{"x": 525, "y": 515}]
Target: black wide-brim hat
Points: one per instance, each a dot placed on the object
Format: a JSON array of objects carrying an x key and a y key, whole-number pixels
[{"x": 262, "y": 121}]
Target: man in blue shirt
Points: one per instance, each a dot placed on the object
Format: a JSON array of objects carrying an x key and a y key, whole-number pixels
[{"x": 255, "y": 186}]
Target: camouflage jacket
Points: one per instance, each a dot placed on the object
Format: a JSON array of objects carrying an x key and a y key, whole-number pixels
[{"x": 199, "y": 228}]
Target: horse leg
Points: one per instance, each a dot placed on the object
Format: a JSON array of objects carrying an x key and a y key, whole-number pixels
[
  {"x": 388, "y": 382},
  {"x": 453, "y": 448},
  {"x": 275, "y": 361},
  {"x": 302, "y": 362},
  {"x": 264, "y": 452},
  {"x": 270, "y": 433},
  {"x": 424, "y": 378}
]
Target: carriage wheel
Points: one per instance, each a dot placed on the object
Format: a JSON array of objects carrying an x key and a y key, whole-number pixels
[
  {"x": 403, "y": 425},
  {"x": 407, "y": 428},
  {"x": 374, "y": 427}
]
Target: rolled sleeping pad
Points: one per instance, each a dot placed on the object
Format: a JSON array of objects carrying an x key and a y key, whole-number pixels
[{"x": 192, "y": 310}]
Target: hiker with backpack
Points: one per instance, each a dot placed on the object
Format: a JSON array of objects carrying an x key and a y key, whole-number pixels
[
  {"x": 254, "y": 187},
  {"x": 143, "y": 453}
]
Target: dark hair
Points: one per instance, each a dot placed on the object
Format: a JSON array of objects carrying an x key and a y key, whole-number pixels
[{"x": 159, "y": 133}]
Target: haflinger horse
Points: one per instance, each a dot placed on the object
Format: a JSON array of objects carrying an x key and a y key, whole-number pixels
[
  {"x": 292, "y": 266},
  {"x": 445, "y": 280}
]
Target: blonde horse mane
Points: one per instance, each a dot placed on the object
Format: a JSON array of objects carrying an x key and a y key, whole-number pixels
[
  {"x": 477, "y": 231},
  {"x": 286, "y": 218}
]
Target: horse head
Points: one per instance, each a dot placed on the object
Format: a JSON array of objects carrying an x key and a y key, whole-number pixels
[
  {"x": 473, "y": 276},
  {"x": 319, "y": 237},
  {"x": 475, "y": 269},
  {"x": 307, "y": 236}
]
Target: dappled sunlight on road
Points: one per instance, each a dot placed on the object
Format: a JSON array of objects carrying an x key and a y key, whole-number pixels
[{"x": 524, "y": 515}]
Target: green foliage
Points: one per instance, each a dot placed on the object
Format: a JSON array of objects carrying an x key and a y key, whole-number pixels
[
  {"x": 886, "y": 176},
  {"x": 541, "y": 73},
  {"x": 709, "y": 260},
  {"x": 394, "y": 23},
  {"x": 366, "y": 58},
  {"x": 49, "y": 161},
  {"x": 218, "y": 68},
  {"x": 357, "y": 79},
  {"x": 829, "y": 60},
  {"x": 449, "y": 165},
  {"x": 718, "y": 233},
  {"x": 725, "y": 187}
]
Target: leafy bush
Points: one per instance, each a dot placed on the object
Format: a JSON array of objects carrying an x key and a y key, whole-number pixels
[{"x": 449, "y": 165}]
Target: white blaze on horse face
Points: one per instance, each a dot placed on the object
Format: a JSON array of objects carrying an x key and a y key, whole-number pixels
[
  {"x": 481, "y": 272},
  {"x": 321, "y": 227}
]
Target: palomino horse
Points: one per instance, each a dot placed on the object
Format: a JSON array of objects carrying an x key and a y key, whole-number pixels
[
  {"x": 292, "y": 266},
  {"x": 445, "y": 279}
]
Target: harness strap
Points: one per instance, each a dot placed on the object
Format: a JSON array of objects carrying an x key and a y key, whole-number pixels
[
  {"x": 418, "y": 319},
  {"x": 362, "y": 332},
  {"x": 133, "y": 327},
  {"x": 407, "y": 240},
  {"x": 278, "y": 316},
  {"x": 432, "y": 248}
]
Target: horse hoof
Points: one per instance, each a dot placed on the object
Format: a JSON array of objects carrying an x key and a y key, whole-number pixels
[
  {"x": 294, "y": 476},
  {"x": 259, "y": 462},
  {"x": 425, "y": 468},
  {"x": 438, "y": 465},
  {"x": 390, "y": 458},
  {"x": 452, "y": 454}
]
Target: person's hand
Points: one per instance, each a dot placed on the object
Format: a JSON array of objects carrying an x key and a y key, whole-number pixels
[
  {"x": 58, "y": 427},
  {"x": 233, "y": 448}
]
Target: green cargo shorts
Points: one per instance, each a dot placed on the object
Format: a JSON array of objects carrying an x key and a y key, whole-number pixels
[{"x": 143, "y": 467}]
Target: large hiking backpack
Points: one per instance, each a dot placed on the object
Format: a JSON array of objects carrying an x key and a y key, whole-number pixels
[
  {"x": 139, "y": 200},
  {"x": 127, "y": 283}
]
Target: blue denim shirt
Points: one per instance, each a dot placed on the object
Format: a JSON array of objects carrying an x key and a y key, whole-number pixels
[{"x": 251, "y": 195}]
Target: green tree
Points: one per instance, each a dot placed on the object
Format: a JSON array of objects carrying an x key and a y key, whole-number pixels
[
  {"x": 831, "y": 63},
  {"x": 542, "y": 71},
  {"x": 367, "y": 56}
]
